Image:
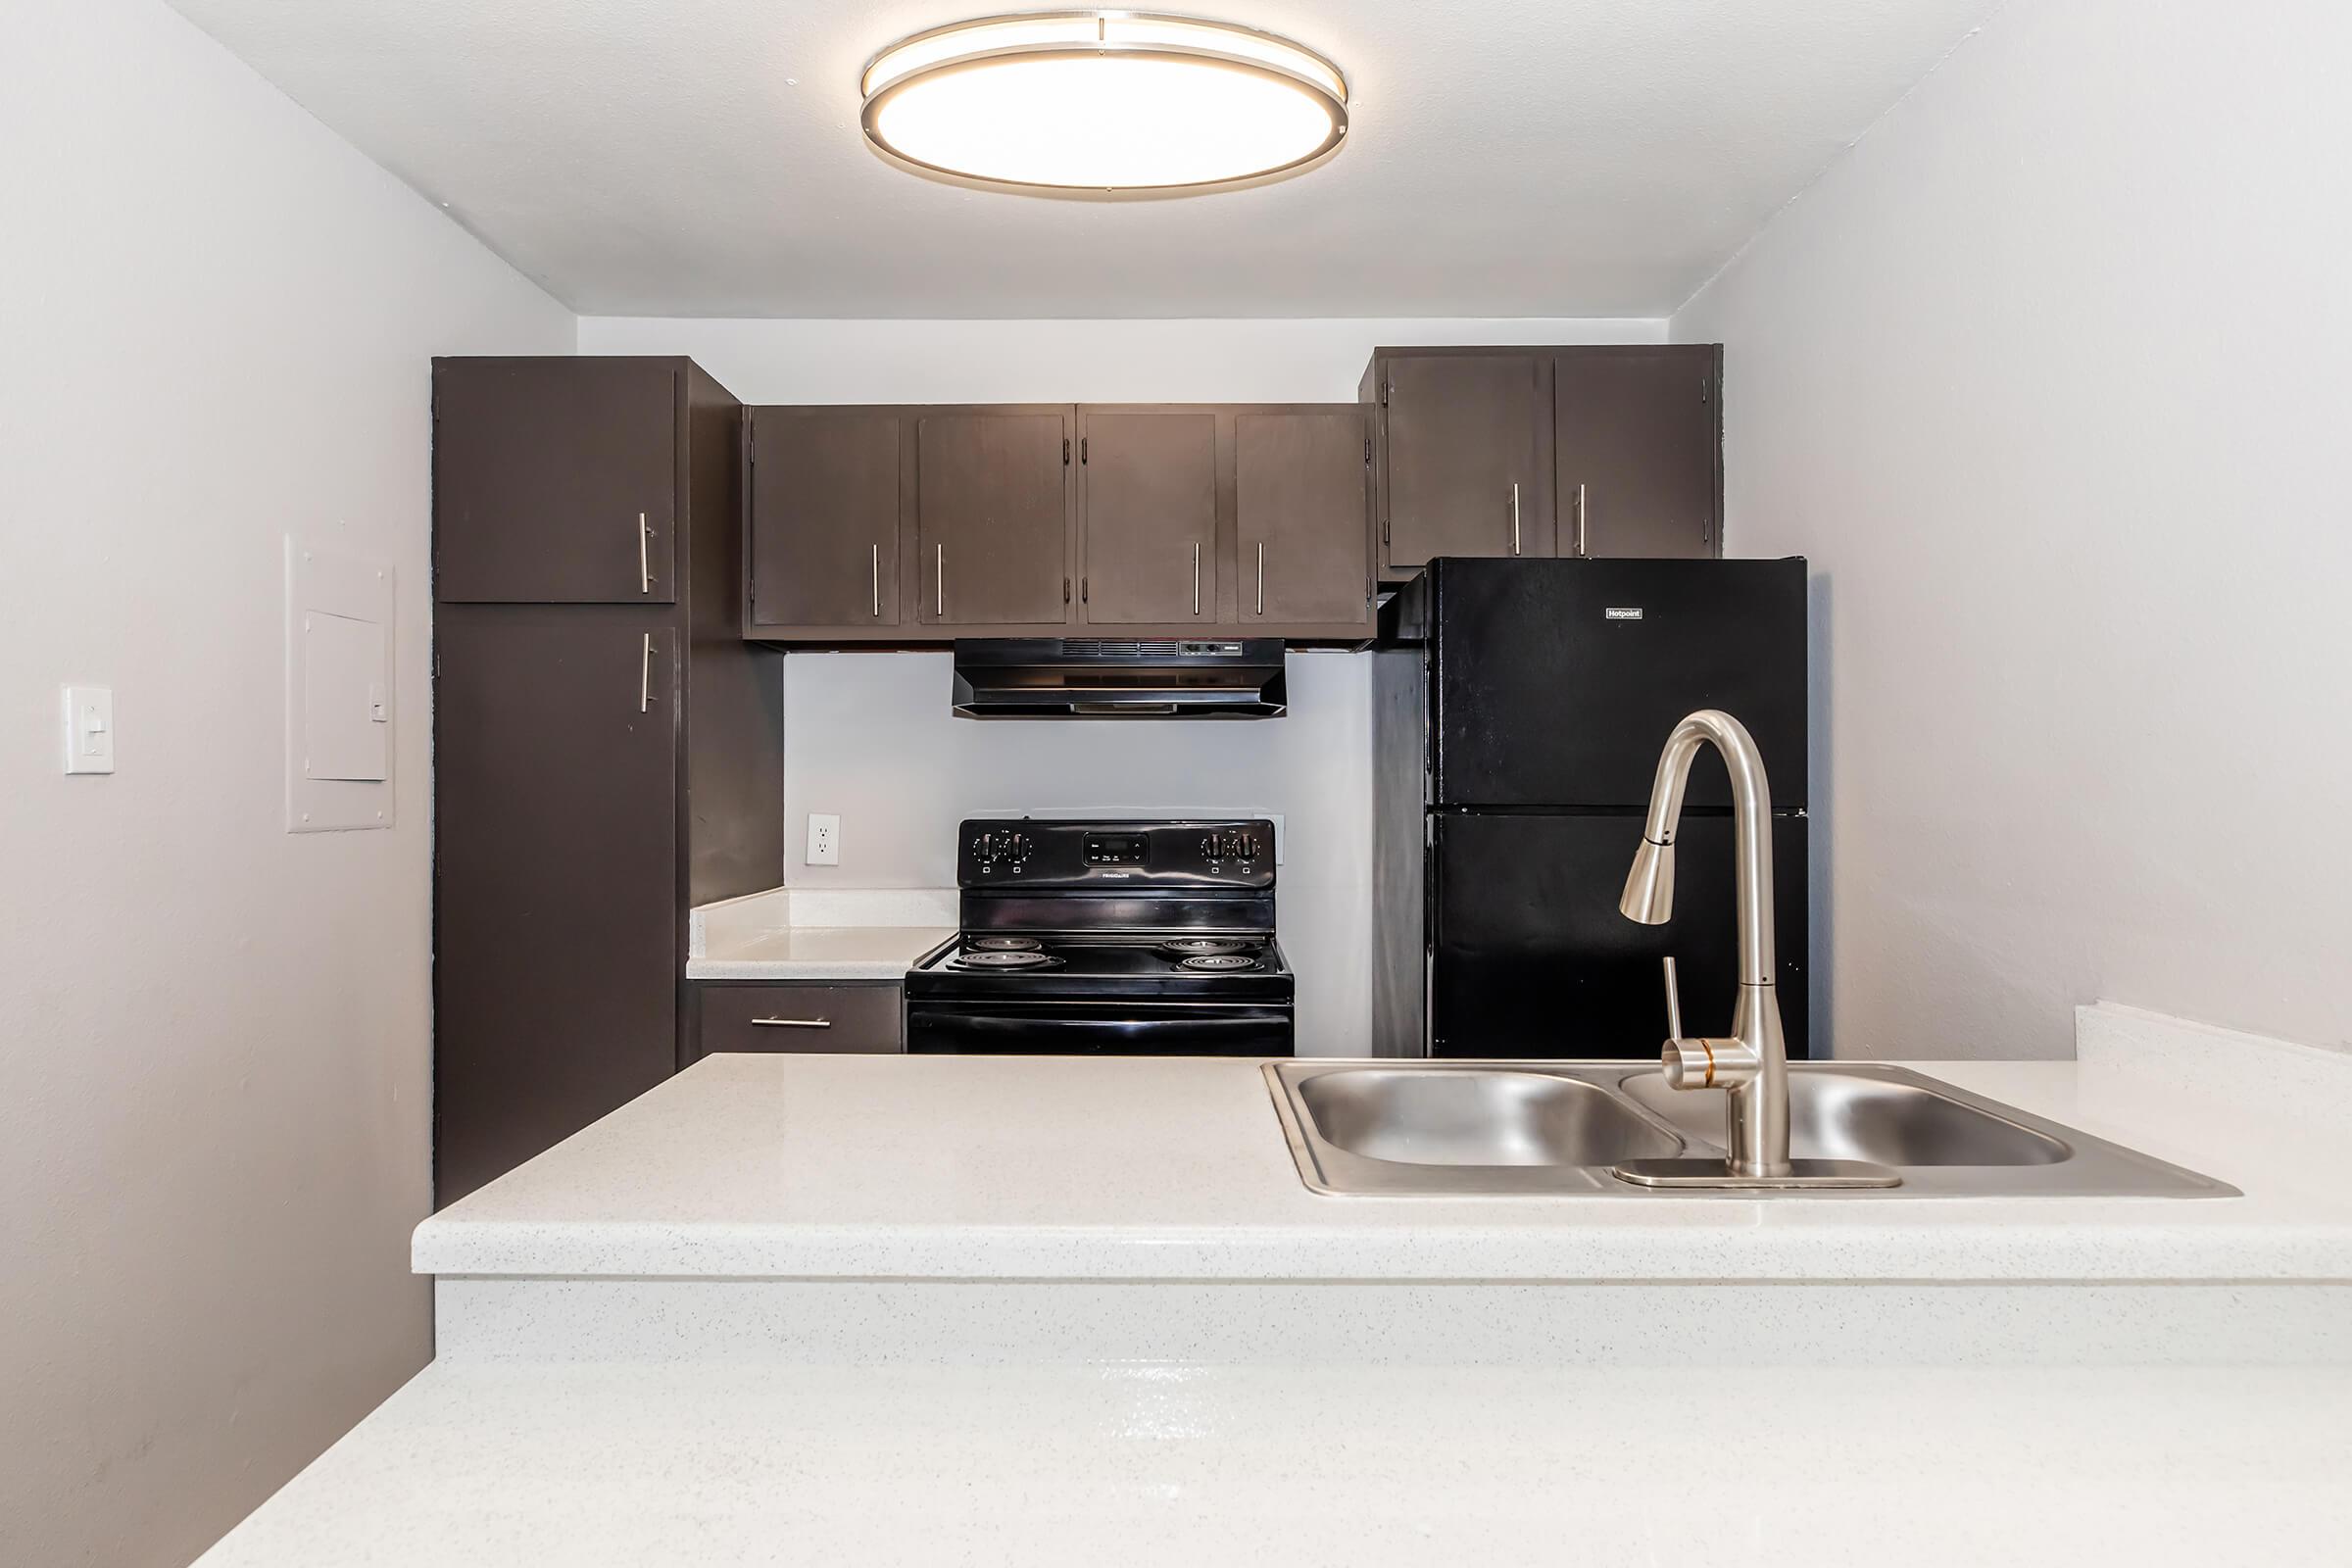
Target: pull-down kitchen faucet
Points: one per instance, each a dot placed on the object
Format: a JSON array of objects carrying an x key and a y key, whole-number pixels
[{"x": 1753, "y": 1065}]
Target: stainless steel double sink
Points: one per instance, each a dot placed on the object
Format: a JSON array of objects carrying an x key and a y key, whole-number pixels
[{"x": 1494, "y": 1128}]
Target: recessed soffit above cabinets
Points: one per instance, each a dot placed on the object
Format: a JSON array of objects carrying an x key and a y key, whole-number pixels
[{"x": 1103, "y": 103}]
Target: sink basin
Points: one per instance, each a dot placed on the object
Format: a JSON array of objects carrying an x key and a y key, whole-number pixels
[
  {"x": 1455, "y": 1129},
  {"x": 1478, "y": 1118},
  {"x": 1846, "y": 1115}
]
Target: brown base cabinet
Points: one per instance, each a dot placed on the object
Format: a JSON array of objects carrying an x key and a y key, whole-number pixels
[
  {"x": 608, "y": 753},
  {"x": 798, "y": 1015},
  {"x": 906, "y": 526},
  {"x": 1593, "y": 452}
]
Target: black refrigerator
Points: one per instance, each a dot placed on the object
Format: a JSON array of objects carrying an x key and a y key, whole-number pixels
[{"x": 1518, "y": 711}]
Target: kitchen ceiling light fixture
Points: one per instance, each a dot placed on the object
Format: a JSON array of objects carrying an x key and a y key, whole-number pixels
[{"x": 1103, "y": 101}]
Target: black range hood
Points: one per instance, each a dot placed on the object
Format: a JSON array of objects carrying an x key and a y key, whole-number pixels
[{"x": 1103, "y": 677}]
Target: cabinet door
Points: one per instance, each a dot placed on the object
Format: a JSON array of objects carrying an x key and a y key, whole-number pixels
[
  {"x": 555, "y": 481},
  {"x": 1299, "y": 497},
  {"x": 824, "y": 518},
  {"x": 1639, "y": 446},
  {"x": 555, "y": 948},
  {"x": 992, "y": 495},
  {"x": 1148, "y": 516},
  {"x": 1468, "y": 471},
  {"x": 798, "y": 1017}
]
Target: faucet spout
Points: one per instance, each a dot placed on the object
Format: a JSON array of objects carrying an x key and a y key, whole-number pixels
[
  {"x": 1649, "y": 888},
  {"x": 1753, "y": 1062}
]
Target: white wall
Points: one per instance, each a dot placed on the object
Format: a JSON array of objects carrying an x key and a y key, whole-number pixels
[
  {"x": 2046, "y": 375},
  {"x": 869, "y": 735},
  {"x": 1062, "y": 360},
  {"x": 214, "y": 1037}
]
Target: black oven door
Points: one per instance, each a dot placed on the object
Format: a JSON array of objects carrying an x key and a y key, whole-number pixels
[{"x": 1096, "y": 1028}]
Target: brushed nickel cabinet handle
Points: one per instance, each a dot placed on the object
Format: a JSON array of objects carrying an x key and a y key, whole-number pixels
[
  {"x": 1514, "y": 517},
  {"x": 939, "y": 582},
  {"x": 1261, "y": 576},
  {"x": 793, "y": 1023},
  {"x": 644, "y": 676},
  {"x": 1580, "y": 520},
  {"x": 645, "y": 556},
  {"x": 877, "y": 550},
  {"x": 1195, "y": 576}
]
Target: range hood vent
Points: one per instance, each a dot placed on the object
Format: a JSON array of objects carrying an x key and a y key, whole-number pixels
[{"x": 1110, "y": 677}]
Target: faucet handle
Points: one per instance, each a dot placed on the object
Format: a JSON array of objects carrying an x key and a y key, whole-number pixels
[
  {"x": 1709, "y": 1063},
  {"x": 1688, "y": 1063}
]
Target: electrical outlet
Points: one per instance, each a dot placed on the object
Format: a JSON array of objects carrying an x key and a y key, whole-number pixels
[{"x": 824, "y": 839}]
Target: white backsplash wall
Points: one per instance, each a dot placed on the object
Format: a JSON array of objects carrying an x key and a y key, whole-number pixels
[
  {"x": 2046, "y": 376},
  {"x": 870, "y": 737}
]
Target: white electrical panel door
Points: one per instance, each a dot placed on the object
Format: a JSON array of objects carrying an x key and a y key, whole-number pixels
[
  {"x": 345, "y": 718},
  {"x": 340, "y": 679}
]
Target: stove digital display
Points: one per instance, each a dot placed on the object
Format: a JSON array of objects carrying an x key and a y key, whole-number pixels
[{"x": 1115, "y": 849}]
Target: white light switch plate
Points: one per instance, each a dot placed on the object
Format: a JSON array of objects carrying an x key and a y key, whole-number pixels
[
  {"x": 824, "y": 839},
  {"x": 89, "y": 729}
]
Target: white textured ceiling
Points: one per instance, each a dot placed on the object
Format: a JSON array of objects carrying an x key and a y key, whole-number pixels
[{"x": 702, "y": 158}]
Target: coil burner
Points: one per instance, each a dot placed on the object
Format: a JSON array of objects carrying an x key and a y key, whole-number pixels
[
  {"x": 1001, "y": 959},
  {"x": 1202, "y": 947}
]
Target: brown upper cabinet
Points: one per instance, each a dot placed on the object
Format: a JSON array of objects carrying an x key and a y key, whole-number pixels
[
  {"x": 1466, "y": 455},
  {"x": 915, "y": 525},
  {"x": 1640, "y": 450},
  {"x": 1147, "y": 511},
  {"x": 1576, "y": 451},
  {"x": 1302, "y": 492},
  {"x": 993, "y": 504},
  {"x": 824, "y": 490},
  {"x": 556, "y": 480}
]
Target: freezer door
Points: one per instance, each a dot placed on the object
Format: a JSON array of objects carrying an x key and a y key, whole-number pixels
[
  {"x": 1530, "y": 957},
  {"x": 1554, "y": 683}
]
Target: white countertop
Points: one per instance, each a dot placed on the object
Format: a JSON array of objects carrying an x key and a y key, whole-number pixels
[
  {"x": 821, "y": 953},
  {"x": 805, "y": 934},
  {"x": 1151, "y": 1465},
  {"x": 968, "y": 1167}
]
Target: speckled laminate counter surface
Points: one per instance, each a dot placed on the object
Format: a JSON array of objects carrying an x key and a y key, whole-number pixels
[
  {"x": 845, "y": 1167},
  {"x": 1144, "y": 1465},
  {"x": 803, "y": 934}
]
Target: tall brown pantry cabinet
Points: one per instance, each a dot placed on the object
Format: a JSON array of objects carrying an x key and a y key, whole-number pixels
[{"x": 607, "y": 748}]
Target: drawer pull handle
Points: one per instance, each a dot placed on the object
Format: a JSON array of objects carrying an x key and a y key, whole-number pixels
[{"x": 794, "y": 1023}]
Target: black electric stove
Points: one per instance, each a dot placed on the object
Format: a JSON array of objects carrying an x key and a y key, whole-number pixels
[{"x": 1109, "y": 937}]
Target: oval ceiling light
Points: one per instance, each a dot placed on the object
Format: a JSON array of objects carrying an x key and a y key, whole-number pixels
[{"x": 1103, "y": 101}]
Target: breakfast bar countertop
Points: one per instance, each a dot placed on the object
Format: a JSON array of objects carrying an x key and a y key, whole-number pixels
[{"x": 845, "y": 1167}]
